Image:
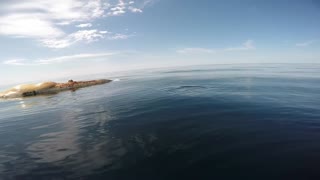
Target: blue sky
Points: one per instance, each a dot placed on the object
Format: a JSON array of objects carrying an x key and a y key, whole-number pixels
[{"x": 49, "y": 39}]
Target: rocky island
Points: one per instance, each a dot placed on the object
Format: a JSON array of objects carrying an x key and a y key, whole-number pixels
[{"x": 25, "y": 90}]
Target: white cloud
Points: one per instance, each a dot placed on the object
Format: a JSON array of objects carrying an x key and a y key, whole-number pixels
[
  {"x": 148, "y": 3},
  {"x": 304, "y": 44},
  {"x": 135, "y": 10},
  {"x": 84, "y": 25},
  {"x": 119, "y": 36},
  {"x": 72, "y": 58},
  {"x": 57, "y": 43},
  {"x": 61, "y": 59},
  {"x": 40, "y": 20},
  {"x": 195, "y": 51},
  {"x": 248, "y": 45},
  {"x": 116, "y": 11},
  {"x": 28, "y": 25},
  {"x": 122, "y": 7},
  {"x": 104, "y": 32},
  {"x": 45, "y": 21},
  {"x": 87, "y": 36},
  {"x": 61, "y": 10},
  {"x": 63, "y": 23},
  {"x": 16, "y": 62}
]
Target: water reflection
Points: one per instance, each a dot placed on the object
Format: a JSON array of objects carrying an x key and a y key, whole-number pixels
[
  {"x": 83, "y": 140},
  {"x": 56, "y": 146}
]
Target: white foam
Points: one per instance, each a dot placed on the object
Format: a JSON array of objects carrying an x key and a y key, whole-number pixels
[{"x": 116, "y": 80}]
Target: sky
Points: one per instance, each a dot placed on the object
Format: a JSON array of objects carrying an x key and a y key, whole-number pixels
[{"x": 49, "y": 39}]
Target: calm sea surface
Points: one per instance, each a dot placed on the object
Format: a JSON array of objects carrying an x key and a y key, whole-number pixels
[{"x": 201, "y": 122}]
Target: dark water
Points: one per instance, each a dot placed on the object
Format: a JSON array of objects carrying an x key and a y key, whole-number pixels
[{"x": 212, "y": 122}]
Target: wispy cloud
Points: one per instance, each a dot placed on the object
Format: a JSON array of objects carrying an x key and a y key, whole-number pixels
[
  {"x": 306, "y": 43},
  {"x": 47, "y": 21},
  {"x": 119, "y": 36},
  {"x": 84, "y": 25},
  {"x": 135, "y": 10},
  {"x": 15, "y": 62},
  {"x": 122, "y": 7},
  {"x": 247, "y": 45},
  {"x": 29, "y": 26},
  {"x": 87, "y": 36},
  {"x": 147, "y": 3},
  {"x": 73, "y": 57},
  {"x": 61, "y": 59},
  {"x": 61, "y": 10}
]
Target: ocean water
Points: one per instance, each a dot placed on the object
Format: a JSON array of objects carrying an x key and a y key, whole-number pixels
[{"x": 201, "y": 122}]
